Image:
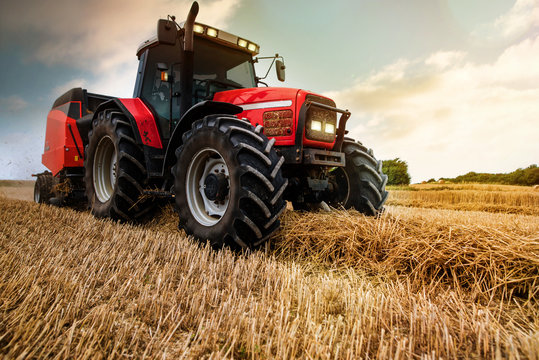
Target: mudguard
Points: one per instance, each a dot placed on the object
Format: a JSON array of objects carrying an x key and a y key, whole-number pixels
[{"x": 140, "y": 117}]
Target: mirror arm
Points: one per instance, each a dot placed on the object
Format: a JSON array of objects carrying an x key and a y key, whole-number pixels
[
  {"x": 261, "y": 82},
  {"x": 255, "y": 60}
]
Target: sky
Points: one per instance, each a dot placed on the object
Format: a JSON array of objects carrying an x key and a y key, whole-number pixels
[{"x": 449, "y": 86}]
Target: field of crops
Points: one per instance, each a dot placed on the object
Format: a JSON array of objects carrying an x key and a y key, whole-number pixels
[{"x": 425, "y": 280}]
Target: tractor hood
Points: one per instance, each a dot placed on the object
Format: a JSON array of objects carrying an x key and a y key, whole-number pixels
[
  {"x": 277, "y": 110},
  {"x": 266, "y": 97}
]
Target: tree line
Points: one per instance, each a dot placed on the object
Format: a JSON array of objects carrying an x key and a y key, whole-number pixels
[
  {"x": 397, "y": 173},
  {"x": 528, "y": 177}
]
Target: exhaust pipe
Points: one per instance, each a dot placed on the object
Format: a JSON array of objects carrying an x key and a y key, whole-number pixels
[
  {"x": 188, "y": 27},
  {"x": 188, "y": 61}
]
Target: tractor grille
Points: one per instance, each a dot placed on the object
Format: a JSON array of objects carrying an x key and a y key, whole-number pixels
[{"x": 320, "y": 124}]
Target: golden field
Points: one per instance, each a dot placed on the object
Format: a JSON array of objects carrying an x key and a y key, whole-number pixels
[
  {"x": 477, "y": 197},
  {"x": 412, "y": 283}
]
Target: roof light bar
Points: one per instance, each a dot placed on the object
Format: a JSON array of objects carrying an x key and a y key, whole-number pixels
[
  {"x": 212, "y": 32},
  {"x": 225, "y": 38},
  {"x": 252, "y": 47},
  {"x": 242, "y": 43},
  {"x": 198, "y": 29}
]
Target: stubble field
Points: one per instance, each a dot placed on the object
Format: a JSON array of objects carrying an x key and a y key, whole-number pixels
[{"x": 428, "y": 279}]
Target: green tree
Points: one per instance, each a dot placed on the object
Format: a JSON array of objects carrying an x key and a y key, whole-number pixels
[
  {"x": 396, "y": 171},
  {"x": 528, "y": 176}
]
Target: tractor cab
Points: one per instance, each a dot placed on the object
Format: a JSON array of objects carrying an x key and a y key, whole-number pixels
[{"x": 221, "y": 62}]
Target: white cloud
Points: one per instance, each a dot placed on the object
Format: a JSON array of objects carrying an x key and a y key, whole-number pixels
[
  {"x": 12, "y": 104},
  {"x": 522, "y": 17},
  {"x": 452, "y": 116},
  {"x": 445, "y": 59}
]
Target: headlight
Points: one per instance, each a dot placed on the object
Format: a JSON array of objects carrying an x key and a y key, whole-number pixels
[
  {"x": 330, "y": 128},
  {"x": 316, "y": 125}
]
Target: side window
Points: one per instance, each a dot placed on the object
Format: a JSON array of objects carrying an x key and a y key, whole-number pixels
[
  {"x": 140, "y": 71},
  {"x": 157, "y": 92}
]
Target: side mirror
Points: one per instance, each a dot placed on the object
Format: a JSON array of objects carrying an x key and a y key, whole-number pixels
[
  {"x": 166, "y": 32},
  {"x": 279, "y": 66}
]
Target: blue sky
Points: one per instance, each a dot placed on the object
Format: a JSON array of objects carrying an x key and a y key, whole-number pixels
[{"x": 450, "y": 86}]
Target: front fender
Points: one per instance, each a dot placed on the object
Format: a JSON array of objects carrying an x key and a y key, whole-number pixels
[{"x": 141, "y": 119}]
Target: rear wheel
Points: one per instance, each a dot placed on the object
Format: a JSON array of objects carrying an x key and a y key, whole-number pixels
[
  {"x": 228, "y": 183},
  {"x": 114, "y": 171},
  {"x": 43, "y": 188},
  {"x": 361, "y": 183}
]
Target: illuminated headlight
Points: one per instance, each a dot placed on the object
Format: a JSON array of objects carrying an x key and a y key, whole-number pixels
[
  {"x": 330, "y": 128},
  {"x": 242, "y": 43},
  {"x": 251, "y": 47},
  {"x": 316, "y": 125},
  {"x": 198, "y": 29},
  {"x": 211, "y": 32}
]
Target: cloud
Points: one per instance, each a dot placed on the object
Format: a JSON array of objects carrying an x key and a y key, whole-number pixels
[
  {"x": 445, "y": 59},
  {"x": 447, "y": 115},
  {"x": 522, "y": 17},
  {"x": 12, "y": 104},
  {"x": 94, "y": 35}
]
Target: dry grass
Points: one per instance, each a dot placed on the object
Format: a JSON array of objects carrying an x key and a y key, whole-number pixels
[
  {"x": 475, "y": 197},
  {"x": 72, "y": 286},
  {"x": 485, "y": 255}
]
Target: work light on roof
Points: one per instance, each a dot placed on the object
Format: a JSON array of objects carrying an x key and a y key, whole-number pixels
[
  {"x": 212, "y": 32},
  {"x": 242, "y": 43},
  {"x": 198, "y": 28}
]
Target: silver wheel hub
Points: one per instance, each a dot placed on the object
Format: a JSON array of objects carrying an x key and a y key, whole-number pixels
[
  {"x": 104, "y": 171},
  {"x": 207, "y": 208}
]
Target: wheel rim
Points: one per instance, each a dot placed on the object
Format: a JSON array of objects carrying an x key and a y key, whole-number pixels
[
  {"x": 104, "y": 171},
  {"x": 205, "y": 162},
  {"x": 37, "y": 195},
  {"x": 343, "y": 185}
]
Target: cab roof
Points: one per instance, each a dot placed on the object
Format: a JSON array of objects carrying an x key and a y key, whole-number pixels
[{"x": 213, "y": 34}]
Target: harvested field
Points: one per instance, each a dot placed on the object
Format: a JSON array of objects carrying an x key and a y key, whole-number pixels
[
  {"x": 413, "y": 283},
  {"x": 472, "y": 197}
]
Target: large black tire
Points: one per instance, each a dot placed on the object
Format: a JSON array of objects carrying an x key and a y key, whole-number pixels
[
  {"x": 43, "y": 188},
  {"x": 114, "y": 174},
  {"x": 361, "y": 183},
  {"x": 240, "y": 205}
]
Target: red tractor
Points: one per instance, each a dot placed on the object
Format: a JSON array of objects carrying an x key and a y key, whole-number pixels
[{"x": 199, "y": 129}]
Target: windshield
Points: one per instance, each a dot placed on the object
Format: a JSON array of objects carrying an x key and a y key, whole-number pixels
[{"x": 219, "y": 68}]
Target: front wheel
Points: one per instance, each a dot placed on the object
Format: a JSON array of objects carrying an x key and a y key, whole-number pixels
[
  {"x": 361, "y": 183},
  {"x": 228, "y": 183}
]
